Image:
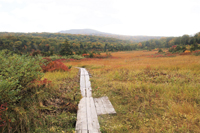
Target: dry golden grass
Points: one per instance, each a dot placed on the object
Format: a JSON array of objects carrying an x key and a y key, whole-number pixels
[
  {"x": 149, "y": 94},
  {"x": 140, "y": 60}
]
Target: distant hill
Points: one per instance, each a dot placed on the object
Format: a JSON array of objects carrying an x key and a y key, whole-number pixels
[
  {"x": 83, "y": 31},
  {"x": 98, "y": 33}
]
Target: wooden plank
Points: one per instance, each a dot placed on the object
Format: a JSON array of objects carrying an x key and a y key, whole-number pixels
[
  {"x": 84, "y": 131},
  {"x": 81, "y": 123},
  {"x": 104, "y": 106},
  {"x": 96, "y": 131},
  {"x": 82, "y": 82},
  {"x": 108, "y": 106},
  {"x": 88, "y": 92},
  {"x": 81, "y": 131},
  {"x": 85, "y": 71},
  {"x": 99, "y": 106},
  {"x": 87, "y": 81},
  {"x": 82, "y": 71},
  {"x": 83, "y": 92},
  {"x": 95, "y": 122},
  {"x": 89, "y": 118}
]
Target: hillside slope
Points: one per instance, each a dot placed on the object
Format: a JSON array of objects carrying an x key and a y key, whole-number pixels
[{"x": 98, "y": 33}]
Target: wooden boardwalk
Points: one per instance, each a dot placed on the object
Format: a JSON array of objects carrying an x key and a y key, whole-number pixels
[{"x": 89, "y": 107}]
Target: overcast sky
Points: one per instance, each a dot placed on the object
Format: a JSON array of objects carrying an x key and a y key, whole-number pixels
[{"x": 126, "y": 17}]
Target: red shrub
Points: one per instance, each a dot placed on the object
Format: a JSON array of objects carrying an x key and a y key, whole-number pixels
[{"x": 54, "y": 65}]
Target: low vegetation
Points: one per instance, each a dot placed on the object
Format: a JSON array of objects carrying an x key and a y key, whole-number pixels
[
  {"x": 148, "y": 94},
  {"x": 34, "y": 101},
  {"x": 154, "y": 90}
]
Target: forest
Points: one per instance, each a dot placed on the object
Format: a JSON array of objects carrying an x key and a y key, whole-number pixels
[
  {"x": 52, "y": 43},
  {"x": 46, "y": 42},
  {"x": 168, "y": 42}
]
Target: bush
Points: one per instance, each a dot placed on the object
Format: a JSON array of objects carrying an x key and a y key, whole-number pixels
[
  {"x": 56, "y": 57},
  {"x": 16, "y": 73},
  {"x": 160, "y": 51},
  {"x": 53, "y": 66},
  {"x": 20, "y": 93},
  {"x": 91, "y": 55},
  {"x": 197, "y": 52},
  {"x": 194, "y": 47},
  {"x": 177, "y": 49}
]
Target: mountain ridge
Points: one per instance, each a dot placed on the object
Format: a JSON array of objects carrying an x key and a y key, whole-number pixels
[
  {"x": 138, "y": 38},
  {"x": 82, "y": 31}
]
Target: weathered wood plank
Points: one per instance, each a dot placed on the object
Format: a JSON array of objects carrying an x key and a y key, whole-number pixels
[
  {"x": 95, "y": 121},
  {"x": 81, "y": 131},
  {"x": 82, "y": 71},
  {"x": 94, "y": 131},
  {"x": 87, "y": 81},
  {"x": 85, "y": 71},
  {"x": 81, "y": 115},
  {"x": 107, "y": 105},
  {"x": 82, "y": 82},
  {"x": 88, "y": 92},
  {"x": 89, "y": 117},
  {"x": 99, "y": 106},
  {"x": 93, "y": 124},
  {"x": 87, "y": 120},
  {"x": 104, "y": 106}
]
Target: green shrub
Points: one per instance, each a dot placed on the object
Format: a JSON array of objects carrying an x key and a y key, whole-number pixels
[
  {"x": 177, "y": 49},
  {"x": 160, "y": 51},
  {"x": 77, "y": 57},
  {"x": 16, "y": 73},
  {"x": 56, "y": 57},
  {"x": 20, "y": 92}
]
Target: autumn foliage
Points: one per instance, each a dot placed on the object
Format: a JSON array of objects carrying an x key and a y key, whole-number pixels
[{"x": 54, "y": 66}]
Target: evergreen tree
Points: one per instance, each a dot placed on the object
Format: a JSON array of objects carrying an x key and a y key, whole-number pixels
[{"x": 65, "y": 49}]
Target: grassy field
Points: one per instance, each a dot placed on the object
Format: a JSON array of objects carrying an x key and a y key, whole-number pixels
[
  {"x": 149, "y": 94},
  {"x": 60, "y": 110}
]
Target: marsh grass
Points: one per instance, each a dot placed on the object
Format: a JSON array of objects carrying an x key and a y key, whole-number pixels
[
  {"x": 60, "y": 110},
  {"x": 149, "y": 94}
]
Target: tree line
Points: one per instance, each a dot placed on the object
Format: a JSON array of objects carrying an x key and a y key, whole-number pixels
[
  {"x": 167, "y": 42},
  {"x": 49, "y": 43},
  {"x": 58, "y": 43}
]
